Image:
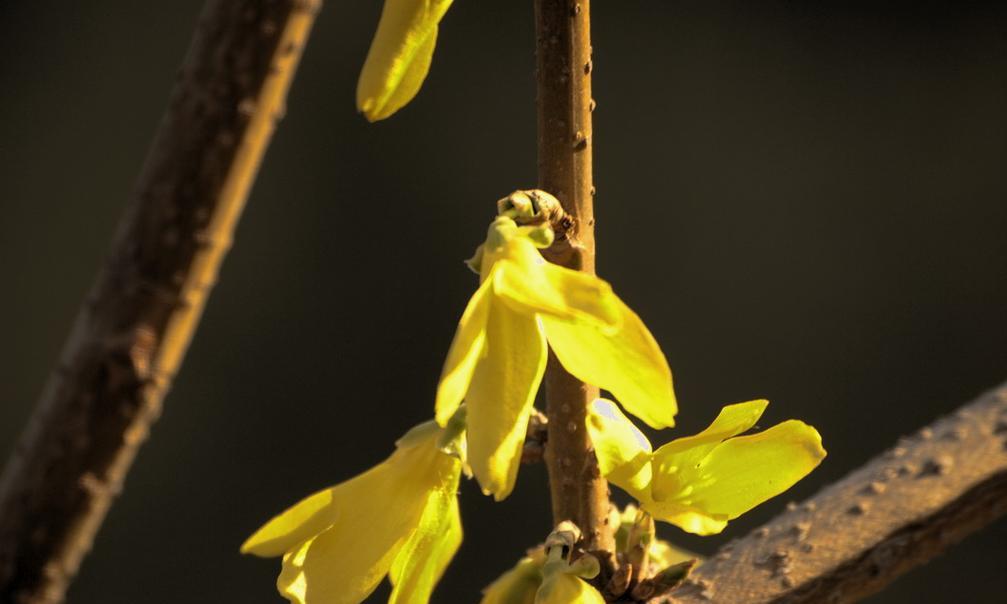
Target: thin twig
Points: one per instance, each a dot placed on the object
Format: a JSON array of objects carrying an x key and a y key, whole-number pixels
[
  {"x": 135, "y": 326},
  {"x": 563, "y": 44},
  {"x": 858, "y": 535}
]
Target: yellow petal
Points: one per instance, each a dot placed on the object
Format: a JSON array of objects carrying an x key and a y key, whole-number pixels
[
  {"x": 739, "y": 474},
  {"x": 303, "y": 520},
  {"x": 323, "y": 570},
  {"x": 378, "y": 515},
  {"x": 420, "y": 563},
  {"x": 408, "y": 474},
  {"x": 530, "y": 284},
  {"x": 500, "y": 397},
  {"x": 690, "y": 450},
  {"x": 627, "y": 362},
  {"x": 518, "y": 585},
  {"x": 623, "y": 451},
  {"x": 400, "y": 56},
  {"x": 339, "y": 504},
  {"x": 465, "y": 350},
  {"x": 663, "y": 554},
  {"x": 562, "y": 588}
]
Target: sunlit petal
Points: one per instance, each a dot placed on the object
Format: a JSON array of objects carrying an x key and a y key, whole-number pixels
[
  {"x": 324, "y": 571},
  {"x": 422, "y": 560},
  {"x": 400, "y": 56},
  {"x": 739, "y": 474},
  {"x": 623, "y": 451},
  {"x": 341, "y": 504},
  {"x": 530, "y": 284},
  {"x": 307, "y": 518},
  {"x": 563, "y": 588},
  {"x": 627, "y": 362},
  {"x": 465, "y": 351},
  {"x": 518, "y": 585},
  {"x": 664, "y": 554},
  {"x": 500, "y": 397},
  {"x": 388, "y": 498},
  {"x": 690, "y": 450}
]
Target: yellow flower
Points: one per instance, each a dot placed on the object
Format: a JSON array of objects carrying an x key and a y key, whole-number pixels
[
  {"x": 518, "y": 585},
  {"x": 700, "y": 482},
  {"x": 499, "y": 351},
  {"x": 400, "y": 56},
  {"x": 541, "y": 578},
  {"x": 560, "y": 587},
  {"x": 399, "y": 518},
  {"x": 521, "y": 584}
]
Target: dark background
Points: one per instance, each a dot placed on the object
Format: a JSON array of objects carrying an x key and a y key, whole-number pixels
[{"x": 805, "y": 202}]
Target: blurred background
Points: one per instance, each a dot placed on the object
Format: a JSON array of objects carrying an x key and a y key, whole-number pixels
[{"x": 805, "y": 202}]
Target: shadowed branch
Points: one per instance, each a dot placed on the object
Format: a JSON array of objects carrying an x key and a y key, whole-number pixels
[
  {"x": 856, "y": 536},
  {"x": 130, "y": 336}
]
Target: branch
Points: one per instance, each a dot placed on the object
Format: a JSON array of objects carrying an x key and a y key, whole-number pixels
[
  {"x": 135, "y": 325},
  {"x": 563, "y": 51},
  {"x": 855, "y": 537}
]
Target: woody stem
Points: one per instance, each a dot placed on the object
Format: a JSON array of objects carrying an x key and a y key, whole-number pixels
[
  {"x": 563, "y": 50},
  {"x": 133, "y": 330}
]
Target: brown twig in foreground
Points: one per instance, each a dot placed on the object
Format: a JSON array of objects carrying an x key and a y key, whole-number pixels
[
  {"x": 136, "y": 323},
  {"x": 858, "y": 535},
  {"x": 563, "y": 51}
]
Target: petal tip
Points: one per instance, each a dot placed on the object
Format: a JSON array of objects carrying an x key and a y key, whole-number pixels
[{"x": 250, "y": 546}]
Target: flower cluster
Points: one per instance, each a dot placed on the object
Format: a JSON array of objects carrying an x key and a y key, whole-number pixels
[
  {"x": 533, "y": 580},
  {"x": 498, "y": 355},
  {"x": 401, "y": 519}
]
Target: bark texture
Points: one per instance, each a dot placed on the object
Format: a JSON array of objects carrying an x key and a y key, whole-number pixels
[
  {"x": 898, "y": 511},
  {"x": 563, "y": 51},
  {"x": 130, "y": 336}
]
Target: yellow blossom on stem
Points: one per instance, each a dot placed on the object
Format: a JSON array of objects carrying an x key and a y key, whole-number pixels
[
  {"x": 400, "y": 56},
  {"x": 563, "y": 578},
  {"x": 399, "y": 518},
  {"x": 561, "y": 587},
  {"x": 520, "y": 584},
  {"x": 700, "y": 482},
  {"x": 498, "y": 355},
  {"x": 548, "y": 576}
]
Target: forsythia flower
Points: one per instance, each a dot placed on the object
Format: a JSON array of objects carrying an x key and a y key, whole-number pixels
[
  {"x": 498, "y": 355},
  {"x": 400, "y": 56},
  {"x": 700, "y": 482},
  {"x": 562, "y": 587},
  {"x": 545, "y": 579},
  {"x": 399, "y": 518},
  {"x": 521, "y": 584}
]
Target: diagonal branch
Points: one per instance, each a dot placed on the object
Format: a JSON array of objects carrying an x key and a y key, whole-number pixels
[
  {"x": 135, "y": 326},
  {"x": 855, "y": 537}
]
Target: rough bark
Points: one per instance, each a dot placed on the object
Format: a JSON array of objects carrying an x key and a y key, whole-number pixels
[
  {"x": 130, "y": 336},
  {"x": 858, "y": 535},
  {"x": 563, "y": 51}
]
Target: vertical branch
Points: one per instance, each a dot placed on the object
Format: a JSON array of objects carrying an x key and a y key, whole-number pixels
[
  {"x": 129, "y": 339},
  {"x": 563, "y": 45}
]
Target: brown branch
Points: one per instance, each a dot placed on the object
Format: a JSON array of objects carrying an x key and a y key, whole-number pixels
[
  {"x": 855, "y": 537},
  {"x": 563, "y": 51},
  {"x": 136, "y": 323}
]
